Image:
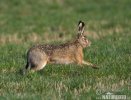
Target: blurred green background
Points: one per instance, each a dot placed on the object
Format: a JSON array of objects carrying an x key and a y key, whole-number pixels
[{"x": 24, "y": 23}]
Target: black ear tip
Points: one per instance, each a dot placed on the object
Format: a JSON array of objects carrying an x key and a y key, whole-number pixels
[{"x": 81, "y": 22}]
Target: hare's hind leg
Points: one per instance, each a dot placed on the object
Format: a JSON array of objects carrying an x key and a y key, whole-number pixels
[
  {"x": 32, "y": 67},
  {"x": 37, "y": 60},
  {"x": 38, "y": 63},
  {"x": 39, "y": 66}
]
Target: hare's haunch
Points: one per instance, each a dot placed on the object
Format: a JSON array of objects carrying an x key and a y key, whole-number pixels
[{"x": 71, "y": 52}]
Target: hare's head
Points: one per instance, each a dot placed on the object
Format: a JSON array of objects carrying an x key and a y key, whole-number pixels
[{"x": 84, "y": 42}]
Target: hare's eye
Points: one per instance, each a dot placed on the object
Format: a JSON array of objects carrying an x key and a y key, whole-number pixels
[{"x": 83, "y": 38}]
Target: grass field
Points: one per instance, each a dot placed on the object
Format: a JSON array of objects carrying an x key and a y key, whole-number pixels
[{"x": 24, "y": 23}]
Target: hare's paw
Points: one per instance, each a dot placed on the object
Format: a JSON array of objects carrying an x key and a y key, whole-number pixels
[{"x": 95, "y": 66}]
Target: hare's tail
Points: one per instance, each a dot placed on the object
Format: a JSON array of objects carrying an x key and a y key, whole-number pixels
[{"x": 24, "y": 70}]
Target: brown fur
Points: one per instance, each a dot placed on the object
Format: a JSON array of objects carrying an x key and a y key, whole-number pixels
[{"x": 71, "y": 52}]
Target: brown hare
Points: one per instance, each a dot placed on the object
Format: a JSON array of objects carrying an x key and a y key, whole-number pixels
[{"x": 40, "y": 55}]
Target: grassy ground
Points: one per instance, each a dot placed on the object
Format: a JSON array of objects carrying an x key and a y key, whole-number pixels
[{"x": 24, "y": 23}]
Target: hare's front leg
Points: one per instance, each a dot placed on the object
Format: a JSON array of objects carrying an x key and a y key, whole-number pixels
[{"x": 89, "y": 64}]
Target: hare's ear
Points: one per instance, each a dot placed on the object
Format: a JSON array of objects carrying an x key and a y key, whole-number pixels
[{"x": 81, "y": 26}]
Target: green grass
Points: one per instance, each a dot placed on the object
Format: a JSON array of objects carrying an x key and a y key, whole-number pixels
[{"x": 109, "y": 26}]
